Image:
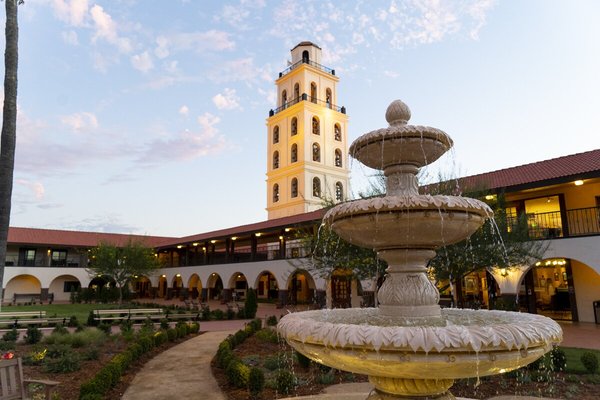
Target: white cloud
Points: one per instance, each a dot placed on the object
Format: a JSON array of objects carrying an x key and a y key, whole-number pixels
[
  {"x": 79, "y": 122},
  {"x": 70, "y": 37},
  {"x": 142, "y": 62},
  {"x": 184, "y": 110},
  {"x": 36, "y": 188},
  {"x": 228, "y": 100},
  {"x": 242, "y": 69},
  {"x": 391, "y": 74},
  {"x": 105, "y": 28},
  {"x": 200, "y": 42},
  {"x": 74, "y": 12},
  {"x": 187, "y": 145}
]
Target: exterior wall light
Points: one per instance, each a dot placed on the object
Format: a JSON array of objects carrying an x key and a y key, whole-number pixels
[
  {"x": 213, "y": 241},
  {"x": 504, "y": 272},
  {"x": 233, "y": 237},
  {"x": 179, "y": 246},
  {"x": 195, "y": 244},
  {"x": 257, "y": 234},
  {"x": 578, "y": 182},
  {"x": 288, "y": 229}
]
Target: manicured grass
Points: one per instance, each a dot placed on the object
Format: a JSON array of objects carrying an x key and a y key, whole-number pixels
[
  {"x": 574, "y": 365},
  {"x": 81, "y": 311}
]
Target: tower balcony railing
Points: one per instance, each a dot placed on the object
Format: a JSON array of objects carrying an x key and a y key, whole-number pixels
[
  {"x": 311, "y": 63},
  {"x": 305, "y": 97}
]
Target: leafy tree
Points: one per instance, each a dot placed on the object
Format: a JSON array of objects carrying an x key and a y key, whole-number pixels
[
  {"x": 9, "y": 127},
  {"x": 122, "y": 263},
  {"x": 251, "y": 303}
]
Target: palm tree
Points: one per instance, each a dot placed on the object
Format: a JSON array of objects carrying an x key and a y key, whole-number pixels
[{"x": 9, "y": 127}]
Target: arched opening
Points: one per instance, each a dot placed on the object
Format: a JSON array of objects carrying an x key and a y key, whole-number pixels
[
  {"x": 22, "y": 284},
  {"x": 316, "y": 152},
  {"x": 283, "y": 98},
  {"x": 305, "y": 57},
  {"x": 328, "y": 98},
  {"x": 316, "y": 127},
  {"x": 266, "y": 286},
  {"x": 294, "y": 188},
  {"x": 339, "y": 191},
  {"x": 275, "y": 159},
  {"x": 294, "y": 153},
  {"x": 296, "y": 92},
  {"x": 294, "y": 126},
  {"x": 63, "y": 287},
  {"x": 215, "y": 286},
  {"x": 337, "y": 132},
  {"x": 301, "y": 288},
  {"x": 316, "y": 187},
  {"x": 548, "y": 288},
  {"x": 275, "y": 193},
  {"x": 276, "y": 134},
  {"x": 313, "y": 92},
  {"x": 162, "y": 286},
  {"x": 100, "y": 288},
  {"x": 238, "y": 285},
  {"x": 141, "y": 287},
  {"x": 177, "y": 289},
  {"x": 195, "y": 286},
  {"x": 338, "y": 158},
  {"x": 475, "y": 290}
]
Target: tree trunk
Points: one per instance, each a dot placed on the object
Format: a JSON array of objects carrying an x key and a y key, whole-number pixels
[{"x": 9, "y": 130}]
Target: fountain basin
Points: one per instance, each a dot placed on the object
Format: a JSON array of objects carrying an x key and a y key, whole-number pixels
[
  {"x": 420, "y": 221},
  {"x": 397, "y": 352}
]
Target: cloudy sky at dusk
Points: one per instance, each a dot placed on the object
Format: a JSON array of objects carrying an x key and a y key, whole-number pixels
[{"x": 149, "y": 116}]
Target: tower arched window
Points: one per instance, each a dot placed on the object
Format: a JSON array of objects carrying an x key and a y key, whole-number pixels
[
  {"x": 275, "y": 193},
  {"x": 284, "y": 98},
  {"x": 316, "y": 152},
  {"x": 339, "y": 191},
  {"x": 276, "y": 134},
  {"x": 276, "y": 160},
  {"x": 296, "y": 92},
  {"x": 328, "y": 100},
  {"x": 305, "y": 57},
  {"x": 316, "y": 126},
  {"x": 294, "y": 153},
  {"x": 337, "y": 132},
  {"x": 338, "y": 158},
  {"x": 294, "y": 188},
  {"x": 316, "y": 187},
  {"x": 294, "y": 127},
  {"x": 313, "y": 92}
]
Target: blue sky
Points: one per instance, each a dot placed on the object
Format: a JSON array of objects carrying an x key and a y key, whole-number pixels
[{"x": 149, "y": 116}]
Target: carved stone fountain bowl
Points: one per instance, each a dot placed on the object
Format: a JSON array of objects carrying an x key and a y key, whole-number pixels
[
  {"x": 463, "y": 343},
  {"x": 421, "y": 221}
]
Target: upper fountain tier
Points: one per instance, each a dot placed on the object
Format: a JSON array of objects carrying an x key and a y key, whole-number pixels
[{"x": 400, "y": 143}]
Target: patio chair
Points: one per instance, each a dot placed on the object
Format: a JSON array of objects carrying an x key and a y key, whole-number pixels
[{"x": 14, "y": 386}]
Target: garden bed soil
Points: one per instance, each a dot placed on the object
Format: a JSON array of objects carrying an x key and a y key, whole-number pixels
[{"x": 556, "y": 384}]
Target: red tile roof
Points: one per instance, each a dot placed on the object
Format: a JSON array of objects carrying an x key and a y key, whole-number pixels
[
  {"x": 250, "y": 228},
  {"x": 574, "y": 166},
  {"x": 33, "y": 236}
]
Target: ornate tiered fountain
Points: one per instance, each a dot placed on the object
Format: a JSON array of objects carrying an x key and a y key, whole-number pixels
[{"x": 408, "y": 346}]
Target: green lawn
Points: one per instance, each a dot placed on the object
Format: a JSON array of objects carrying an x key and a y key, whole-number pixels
[
  {"x": 81, "y": 311},
  {"x": 574, "y": 364}
]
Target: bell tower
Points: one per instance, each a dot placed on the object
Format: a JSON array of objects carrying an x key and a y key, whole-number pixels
[{"x": 307, "y": 150}]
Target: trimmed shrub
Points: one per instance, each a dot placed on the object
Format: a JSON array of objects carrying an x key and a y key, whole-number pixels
[
  {"x": 73, "y": 322},
  {"x": 164, "y": 324},
  {"x": 6, "y": 345},
  {"x": 92, "y": 389},
  {"x": 160, "y": 338},
  {"x": 60, "y": 330},
  {"x": 230, "y": 314},
  {"x": 33, "y": 335},
  {"x": 237, "y": 373},
  {"x": 67, "y": 362},
  {"x": 273, "y": 363},
  {"x": 590, "y": 362},
  {"x": 285, "y": 381},
  {"x": 256, "y": 382},
  {"x": 58, "y": 350},
  {"x": 172, "y": 334},
  {"x": 11, "y": 336},
  {"x": 146, "y": 343},
  {"x": 559, "y": 359},
  {"x": 136, "y": 350},
  {"x": 224, "y": 354},
  {"x": 327, "y": 378},
  {"x": 91, "y": 396},
  {"x": 194, "y": 327},
  {"x": 267, "y": 335},
  {"x": 250, "y": 304},
  {"x": 105, "y": 327},
  {"x": 205, "y": 313},
  {"x": 272, "y": 320},
  {"x": 182, "y": 329},
  {"x": 91, "y": 353},
  {"x": 256, "y": 324},
  {"x": 217, "y": 314},
  {"x": 91, "y": 321}
]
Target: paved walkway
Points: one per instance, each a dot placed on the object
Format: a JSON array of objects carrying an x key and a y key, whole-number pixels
[{"x": 183, "y": 371}]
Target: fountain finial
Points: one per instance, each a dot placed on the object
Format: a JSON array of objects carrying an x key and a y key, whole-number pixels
[{"x": 397, "y": 113}]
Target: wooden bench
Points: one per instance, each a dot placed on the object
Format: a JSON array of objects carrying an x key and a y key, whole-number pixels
[
  {"x": 14, "y": 386},
  {"x": 128, "y": 314},
  {"x": 33, "y": 298},
  {"x": 15, "y": 318}
]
